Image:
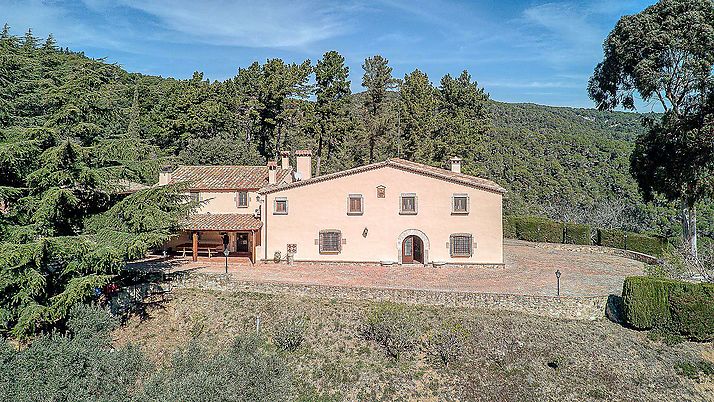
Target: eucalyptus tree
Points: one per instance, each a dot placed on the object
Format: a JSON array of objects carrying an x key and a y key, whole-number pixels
[{"x": 666, "y": 55}]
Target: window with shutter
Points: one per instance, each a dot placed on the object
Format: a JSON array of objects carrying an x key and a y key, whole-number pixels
[
  {"x": 355, "y": 204},
  {"x": 460, "y": 204},
  {"x": 280, "y": 206},
  {"x": 330, "y": 241},
  {"x": 408, "y": 204},
  {"x": 242, "y": 199}
]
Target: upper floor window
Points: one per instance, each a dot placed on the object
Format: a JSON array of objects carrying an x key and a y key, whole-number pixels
[
  {"x": 280, "y": 206},
  {"x": 195, "y": 196},
  {"x": 355, "y": 204},
  {"x": 460, "y": 204},
  {"x": 461, "y": 245},
  {"x": 408, "y": 204},
  {"x": 242, "y": 199},
  {"x": 330, "y": 241}
]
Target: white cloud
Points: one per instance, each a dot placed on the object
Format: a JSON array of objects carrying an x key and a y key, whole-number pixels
[{"x": 281, "y": 23}]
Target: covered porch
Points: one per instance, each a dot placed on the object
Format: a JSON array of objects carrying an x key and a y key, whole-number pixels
[{"x": 208, "y": 235}]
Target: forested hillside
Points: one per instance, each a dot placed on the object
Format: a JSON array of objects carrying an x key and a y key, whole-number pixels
[{"x": 565, "y": 163}]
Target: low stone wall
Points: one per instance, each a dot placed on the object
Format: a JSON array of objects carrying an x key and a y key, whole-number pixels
[{"x": 578, "y": 308}]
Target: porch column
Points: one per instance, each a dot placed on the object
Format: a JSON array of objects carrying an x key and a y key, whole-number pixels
[
  {"x": 252, "y": 246},
  {"x": 195, "y": 246}
]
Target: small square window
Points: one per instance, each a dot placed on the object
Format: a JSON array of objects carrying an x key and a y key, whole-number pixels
[
  {"x": 461, "y": 245},
  {"x": 281, "y": 206},
  {"x": 460, "y": 204},
  {"x": 330, "y": 241},
  {"x": 195, "y": 196},
  {"x": 242, "y": 199},
  {"x": 408, "y": 204},
  {"x": 355, "y": 204}
]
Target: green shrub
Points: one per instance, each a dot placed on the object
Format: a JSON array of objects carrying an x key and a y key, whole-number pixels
[
  {"x": 679, "y": 307},
  {"x": 575, "y": 233},
  {"x": 392, "y": 326},
  {"x": 447, "y": 342},
  {"x": 509, "y": 227},
  {"x": 692, "y": 310},
  {"x": 646, "y": 244},
  {"x": 611, "y": 238},
  {"x": 536, "y": 229},
  {"x": 696, "y": 370},
  {"x": 290, "y": 333}
]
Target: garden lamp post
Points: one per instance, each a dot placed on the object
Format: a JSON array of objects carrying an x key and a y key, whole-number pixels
[
  {"x": 557, "y": 276},
  {"x": 226, "y": 252}
]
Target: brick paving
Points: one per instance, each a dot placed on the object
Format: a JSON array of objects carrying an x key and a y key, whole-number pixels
[{"x": 529, "y": 270}]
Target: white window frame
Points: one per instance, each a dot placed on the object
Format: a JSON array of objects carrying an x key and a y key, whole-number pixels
[
  {"x": 453, "y": 204},
  {"x": 247, "y": 200},
  {"x": 320, "y": 241},
  {"x": 452, "y": 252},
  {"x": 401, "y": 203},
  {"x": 349, "y": 204},
  {"x": 275, "y": 206}
]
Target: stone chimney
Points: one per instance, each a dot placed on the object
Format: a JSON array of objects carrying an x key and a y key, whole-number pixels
[
  {"x": 285, "y": 159},
  {"x": 455, "y": 163},
  {"x": 304, "y": 164},
  {"x": 272, "y": 172},
  {"x": 165, "y": 175}
]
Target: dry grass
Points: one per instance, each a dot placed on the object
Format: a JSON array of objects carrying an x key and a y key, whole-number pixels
[{"x": 506, "y": 355}]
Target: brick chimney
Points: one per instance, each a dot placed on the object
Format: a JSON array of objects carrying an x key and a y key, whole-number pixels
[
  {"x": 165, "y": 175},
  {"x": 455, "y": 163},
  {"x": 285, "y": 159},
  {"x": 304, "y": 163},
  {"x": 272, "y": 171}
]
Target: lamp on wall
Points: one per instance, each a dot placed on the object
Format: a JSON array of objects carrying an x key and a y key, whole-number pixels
[{"x": 364, "y": 232}]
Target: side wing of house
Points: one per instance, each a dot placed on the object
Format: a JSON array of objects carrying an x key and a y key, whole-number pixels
[{"x": 384, "y": 214}]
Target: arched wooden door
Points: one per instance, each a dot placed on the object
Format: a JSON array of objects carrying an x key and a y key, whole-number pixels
[{"x": 412, "y": 250}]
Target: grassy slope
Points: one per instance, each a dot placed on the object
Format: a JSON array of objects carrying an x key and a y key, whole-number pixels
[{"x": 505, "y": 357}]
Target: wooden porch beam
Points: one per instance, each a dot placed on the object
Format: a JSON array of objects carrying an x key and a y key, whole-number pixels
[{"x": 195, "y": 246}]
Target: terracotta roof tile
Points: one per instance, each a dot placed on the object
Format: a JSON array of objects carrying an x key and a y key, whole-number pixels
[
  {"x": 225, "y": 177},
  {"x": 222, "y": 222},
  {"x": 397, "y": 163}
]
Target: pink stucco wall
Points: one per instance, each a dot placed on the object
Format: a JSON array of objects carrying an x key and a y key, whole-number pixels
[{"x": 323, "y": 205}]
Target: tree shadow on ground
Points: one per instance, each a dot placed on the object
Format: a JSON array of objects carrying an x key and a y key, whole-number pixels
[{"x": 614, "y": 310}]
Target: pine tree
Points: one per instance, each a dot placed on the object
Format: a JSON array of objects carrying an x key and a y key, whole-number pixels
[
  {"x": 332, "y": 105},
  {"x": 378, "y": 80},
  {"x": 418, "y": 106}
]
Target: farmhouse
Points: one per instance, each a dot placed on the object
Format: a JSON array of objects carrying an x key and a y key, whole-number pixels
[{"x": 395, "y": 211}]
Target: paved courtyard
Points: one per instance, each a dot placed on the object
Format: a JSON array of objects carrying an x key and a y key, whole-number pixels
[{"x": 529, "y": 269}]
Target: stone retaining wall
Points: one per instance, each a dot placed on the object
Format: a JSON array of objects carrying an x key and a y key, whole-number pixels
[
  {"x": 633, "y": 255},
  {"x": 579, "y": 308}
]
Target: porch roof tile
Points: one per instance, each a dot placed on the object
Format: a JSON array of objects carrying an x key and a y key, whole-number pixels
[{"x": 222, "y": 222}]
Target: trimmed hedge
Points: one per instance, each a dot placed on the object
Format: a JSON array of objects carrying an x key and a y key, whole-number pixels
[
  {"x": 611, "y": 238},
  {"x": 646, "y": 244},
  {"x": 536, "y": 229},
  {"x": 682, "y": 307},
  {"x": 576, "y": 233},
  {"x": 509, "y": 227}
]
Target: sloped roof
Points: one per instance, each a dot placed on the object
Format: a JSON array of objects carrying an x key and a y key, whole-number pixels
[
  {"x": 402, "y": 164},
  {"x": 221, "y": 222},
  {"x": 225, "y": 177},
  {"x": 124, "y": 186}
]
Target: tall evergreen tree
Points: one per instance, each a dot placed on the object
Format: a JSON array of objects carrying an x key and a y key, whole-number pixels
[
  {"x": 332, "y": 106},
  {"x": 418, "y": 107},
  {"x": 378, "y": 81}
]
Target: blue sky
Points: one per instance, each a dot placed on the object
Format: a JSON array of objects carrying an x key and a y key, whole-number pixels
[{"x": 520, "y": 51}]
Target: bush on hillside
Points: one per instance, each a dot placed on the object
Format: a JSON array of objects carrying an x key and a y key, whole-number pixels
[
  {"x": 290, "y": 333},
  {"x": 393, "y": 327},
  {"x": 536, "y": 229},
  {"x": 611, "y": 238},
  {"x": 681, "y": 307},
  {"x": 247, "y": 371},
  {"x": 576, "y": 233}
]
